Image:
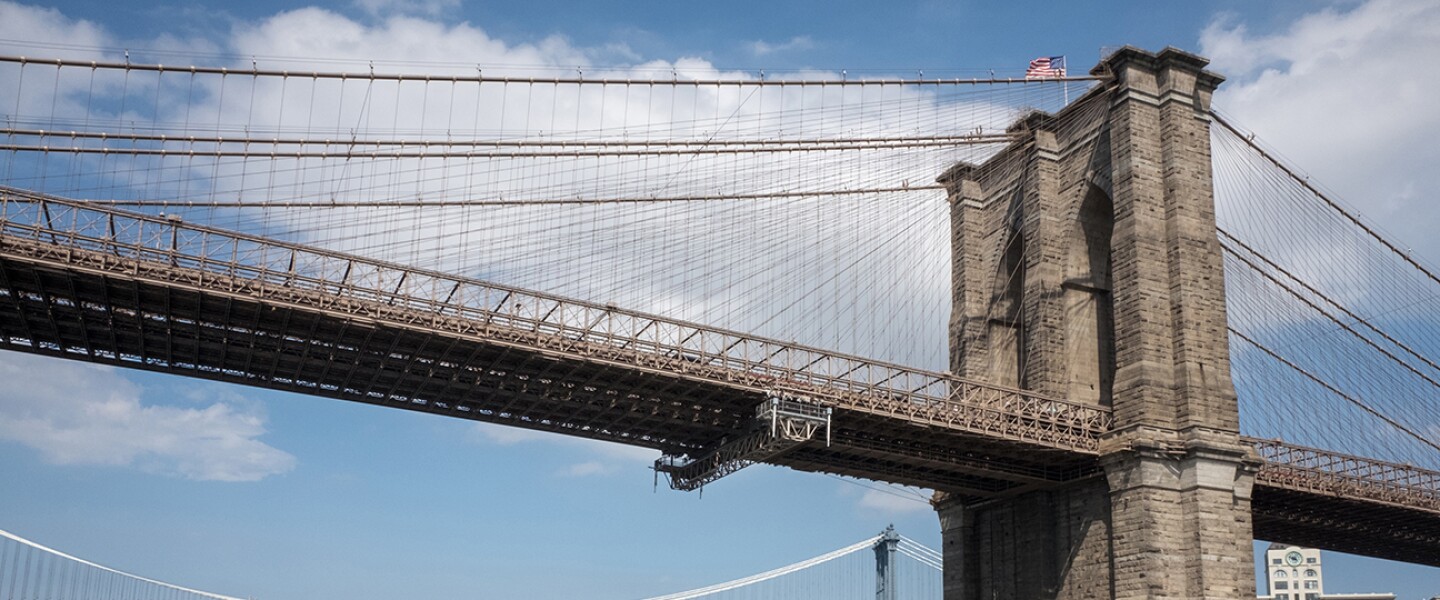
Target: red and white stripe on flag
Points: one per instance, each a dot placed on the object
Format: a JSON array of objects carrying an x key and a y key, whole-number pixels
[{"x": 1046, "y": 66}]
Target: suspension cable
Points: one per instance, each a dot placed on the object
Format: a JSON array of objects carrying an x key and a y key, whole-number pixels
[
  {"x": 429, "y": 78},
  {"x": 1337, "y": 391},
  {"x": 178, "y": 203},
  {"x": 1250, "y": 141},
  {"x": 1340, "y": 307},
  {"x": 744, "y": 581},
  {"x": 972, "y": 138},
  {"x": 424, "y": 154},
  {"x": 57, "y": 553}
]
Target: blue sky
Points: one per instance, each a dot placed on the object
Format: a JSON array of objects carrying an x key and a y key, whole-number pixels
[{"x": 281, "y": 497}]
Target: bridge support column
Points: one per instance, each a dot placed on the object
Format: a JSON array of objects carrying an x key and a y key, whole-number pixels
[
  {"x": 1179, "y": 476},
  {"x": 1181, "y": 524},
  {"x": 886, "y": 587},
  {"x": 1095, "y": 241},
  {"x": 1043, "y": 544}
]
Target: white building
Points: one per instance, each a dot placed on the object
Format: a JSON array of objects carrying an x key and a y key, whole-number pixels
[{"x": 1295, "y": 573}]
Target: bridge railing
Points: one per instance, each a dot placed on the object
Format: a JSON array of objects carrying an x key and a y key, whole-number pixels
[
  {"x": 1322, "y": 471},
  {"x": 232, "y": 262}
]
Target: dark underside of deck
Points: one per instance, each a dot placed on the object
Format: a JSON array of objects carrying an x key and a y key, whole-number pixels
[
  {"x": 121, "y": 320},
  {"x": 1317, "y": 520}
]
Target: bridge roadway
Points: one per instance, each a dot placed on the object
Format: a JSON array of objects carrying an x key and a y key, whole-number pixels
[{"x": 102, "y": 285}]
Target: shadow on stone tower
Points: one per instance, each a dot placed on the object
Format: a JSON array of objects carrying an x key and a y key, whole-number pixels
[{"x": 1086, "y": 267}]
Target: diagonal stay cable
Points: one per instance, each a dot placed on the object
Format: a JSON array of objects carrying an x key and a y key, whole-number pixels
[
  {"x": 1249, "y": 140},
  {"x": 1332, "y": 318},
  {"x": 1337, "y": 391},
  {"x": 1348, "y": 313}
]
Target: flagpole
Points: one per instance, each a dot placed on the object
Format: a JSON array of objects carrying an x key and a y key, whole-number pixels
[{"x": 1066, "y": 83}]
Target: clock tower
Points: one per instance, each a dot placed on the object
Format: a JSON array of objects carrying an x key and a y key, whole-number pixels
[{"x": 1294, "y": 573}]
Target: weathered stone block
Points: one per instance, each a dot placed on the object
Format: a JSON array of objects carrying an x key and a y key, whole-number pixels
[{"x": 1087, "y": 266}]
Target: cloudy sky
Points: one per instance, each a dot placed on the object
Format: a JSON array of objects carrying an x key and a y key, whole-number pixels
[{"x": 259, "y": 494}]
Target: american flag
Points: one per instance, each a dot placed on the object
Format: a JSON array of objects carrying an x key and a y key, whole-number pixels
[{"x": 1046, "y": 66}]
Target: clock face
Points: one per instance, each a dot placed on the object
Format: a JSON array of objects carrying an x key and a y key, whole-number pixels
[{"x": 1293, "y": 559}]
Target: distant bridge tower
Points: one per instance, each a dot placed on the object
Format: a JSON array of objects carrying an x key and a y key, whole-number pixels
[
  {"x": 886, "y": 587},
  {"x": 1086, "y": 266}
]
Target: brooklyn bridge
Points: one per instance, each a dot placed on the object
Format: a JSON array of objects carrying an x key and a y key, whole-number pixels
[{"x": 1103, "y": 321}]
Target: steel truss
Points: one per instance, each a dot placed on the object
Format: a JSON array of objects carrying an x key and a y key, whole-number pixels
[
  {"x": 76, "y": 235},
  {"x": 782, "y": 422},
  {"x": 104, "y": 285},
  {"x": 1319, "y": 471}
]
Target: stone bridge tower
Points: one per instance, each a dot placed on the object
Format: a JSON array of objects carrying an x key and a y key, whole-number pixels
[{"x": 1086, "y": 267}]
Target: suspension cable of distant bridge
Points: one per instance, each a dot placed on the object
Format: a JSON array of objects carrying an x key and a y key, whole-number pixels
[
  {"x": 49, "y": 573},
  {"x": 759, "y": 577},
  {"x": 921, "y": 553}
]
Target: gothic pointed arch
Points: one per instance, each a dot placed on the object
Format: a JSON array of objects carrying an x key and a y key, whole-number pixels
[
  {"x": 1006, "y": 327},
  {"x": 1089, "y": 312}
]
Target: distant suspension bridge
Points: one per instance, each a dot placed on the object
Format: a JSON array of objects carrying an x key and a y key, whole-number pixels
[{"x": 888, "y": 565}]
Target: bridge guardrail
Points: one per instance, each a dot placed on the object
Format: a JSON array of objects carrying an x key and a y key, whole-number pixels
[
  {"x": 349, "y": 284},
  {"x": 1334, "y": 473},
  {"x": 250, "y": 264}
]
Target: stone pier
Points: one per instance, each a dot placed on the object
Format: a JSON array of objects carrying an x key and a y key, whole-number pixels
[{"x": 1086, "y": 267}]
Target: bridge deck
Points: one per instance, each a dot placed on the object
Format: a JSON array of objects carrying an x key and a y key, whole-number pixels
[
  {"x": 109, "y": 286},
  {"x": 1335, "y": 501},
  {"x": 113, "y": 287}
]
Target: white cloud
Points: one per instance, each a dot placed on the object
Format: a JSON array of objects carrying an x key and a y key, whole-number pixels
[
  {"x": 893, "y": 501},
  {"x": 1343, "y": 94},
  {"x": 428, "y": 8},
  {"x": 76, "y": 414},
  {"x": 885, "y": 498},
  {"x": 600, "y": 458},
  {"x": 508, "y": 436},
  {"x": 319, "y": 33},
  {"x": 58, "y": 36},
  {"x": 587, "y": 468},
  {"x": 681, "y": 267},
  {"x": 762, "y": 48},
  {"x": 614, "y": 52},
  {"x": 49, "y": 25}
]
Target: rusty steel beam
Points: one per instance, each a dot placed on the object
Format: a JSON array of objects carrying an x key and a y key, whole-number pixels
[
  {"x": 108, "y": 286},
  {"x": 51, "y": 231}
]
